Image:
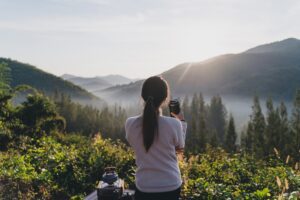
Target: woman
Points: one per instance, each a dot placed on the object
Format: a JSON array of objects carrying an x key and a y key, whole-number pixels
[{"x": 155, "y": 140}]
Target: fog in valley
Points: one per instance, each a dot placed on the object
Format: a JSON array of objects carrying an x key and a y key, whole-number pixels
[{"x": 239, "y": 107}]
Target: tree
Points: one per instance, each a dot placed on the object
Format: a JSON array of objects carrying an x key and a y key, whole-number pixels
[
  {"x": 257, "y": 129},
  {"x": 213, "y": 141},
  {"x": 192, "y": 136},
  {"x": 5, "y": 133},
  {"x": 285, "y": 134},
  {"x": 231, "y": 136},
  {"x": 89, "y": 121},
  {"x": 217, "y": 118},
  {"x": 186, "y": 107},
  {"x": 247, "y": 139},
  {"x": 4, "y": 77},
  {"x": 37, "y": 115},
  {"x": 272, "y": 131},
  {"x": 202, "y": 134},
  {"x": 295, "y": 125}
]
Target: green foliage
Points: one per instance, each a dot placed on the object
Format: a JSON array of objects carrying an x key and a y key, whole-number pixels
[
  {"x": 255, "y": 136},
  {"x": 198, "y": 134},
  {"x": 285, "y": 136},
  {"x": 36, "y": 109},
  {"x": 5, "y": 136},
  {"x": 59, "y": 168},
  {"x": 39, "y": 161},
  {"x": 63, "y": 166},
  {"x": 207, "y": 123},
  {"x": 230, "y": 139},
  {"x": 4, "y": 77},
  {"x": 217, "y": 115},
  {"x": 89, "y": 120},
  {"x": 37, "y": 115},
  {"x": 295, "y": 121},
  {"x": 218, "y": 175},
  {"x": 273, "y": 131}
]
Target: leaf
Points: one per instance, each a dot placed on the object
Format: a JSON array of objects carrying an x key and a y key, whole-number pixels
[
  {"x": 286, "y": 184},
  {"x": 287, "y": 159},
  {"x": 278, "y": 181}
]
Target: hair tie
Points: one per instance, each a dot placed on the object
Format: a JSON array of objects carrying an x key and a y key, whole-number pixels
[{"x": 150, "y": 98}]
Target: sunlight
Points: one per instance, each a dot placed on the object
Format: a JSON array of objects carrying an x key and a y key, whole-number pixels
[{"x": 183, "y": 74}]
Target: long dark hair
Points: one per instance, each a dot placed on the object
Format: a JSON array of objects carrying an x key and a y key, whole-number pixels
[{"x": 154, "y": 92}]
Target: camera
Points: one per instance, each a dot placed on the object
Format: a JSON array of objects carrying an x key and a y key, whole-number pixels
[
  {"x": 174, "y": 107},
  {"x": 111, "y": 187}
]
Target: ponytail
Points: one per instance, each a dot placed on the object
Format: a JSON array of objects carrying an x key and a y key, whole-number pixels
[
  {"x": 154, "y": 92},
  {"x": 150, "y": 123}
]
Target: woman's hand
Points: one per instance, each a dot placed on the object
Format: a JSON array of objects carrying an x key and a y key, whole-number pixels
[{"x": 178, "y": 116}]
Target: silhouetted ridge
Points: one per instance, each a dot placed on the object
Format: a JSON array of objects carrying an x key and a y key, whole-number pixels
[{"x": 290, "y": 45}]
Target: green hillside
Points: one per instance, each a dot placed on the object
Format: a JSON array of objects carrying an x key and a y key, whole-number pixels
[{"x": 22, "y": 73}]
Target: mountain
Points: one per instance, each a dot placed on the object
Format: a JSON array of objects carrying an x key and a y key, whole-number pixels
[
  {"x": 22, "y": 73},
  {"x": 267, "y": 70},
  {"x": 117, "y": 79},
  {"x": 67, "y": 76},
  {"x": 98, "y": 83},
  {"x": 89, "y": 84},
  {"x": 290, "y": 45}
]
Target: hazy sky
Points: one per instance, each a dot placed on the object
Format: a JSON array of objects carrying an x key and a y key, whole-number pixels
[{"x": 137, "y": 38}]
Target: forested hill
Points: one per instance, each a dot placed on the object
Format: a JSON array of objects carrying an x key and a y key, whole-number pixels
[
  {"x": 22, "y": 73},
  {"x": 267, "y": 70}
]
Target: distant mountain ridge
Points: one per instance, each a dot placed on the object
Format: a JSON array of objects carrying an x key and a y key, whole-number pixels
[
  {"x": 267, "y": 70},
  {"x": 98, "y": 83},
  {"x": 90, "y": 84},
  {"x": 289, "y": 45},
  {"x": 115, "y": 79}
]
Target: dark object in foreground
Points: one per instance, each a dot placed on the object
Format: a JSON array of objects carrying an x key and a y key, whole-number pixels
[
  {"x": 127, "y": 195},
  {"x": 174, "y": 107},
  {"x": 111, "y": 187}
]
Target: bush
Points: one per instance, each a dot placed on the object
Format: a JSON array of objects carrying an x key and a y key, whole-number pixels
[
  {"x": 49, "y": 169},
  {"x": 218, "y": 175}
]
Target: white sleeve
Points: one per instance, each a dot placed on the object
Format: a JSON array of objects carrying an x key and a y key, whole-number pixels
[{"x": 181, "y": 134}]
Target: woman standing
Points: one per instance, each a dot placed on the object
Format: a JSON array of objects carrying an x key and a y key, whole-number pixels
[{"x": 155, "y": 139}]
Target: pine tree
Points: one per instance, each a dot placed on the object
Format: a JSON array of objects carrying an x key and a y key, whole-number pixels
[
  {"x": 186, "y": 107},
  {"x": 195, "y": 106},
  {"x": 213, "y": 141},
  {"x": 38, "y": 115},
  {"x": 247, "y": 139},
  {"x": 192, "y": 137},
  {"x": 231, "y": 136},
  {"x": 217, "y": 118},
  {"x": 202, "y": 132},
  {"x": 295, "y": 125},
  {"x": 285, "y": 133},
  {"x": 257, "y": 129},
  {"x": 272, "y": 131}
]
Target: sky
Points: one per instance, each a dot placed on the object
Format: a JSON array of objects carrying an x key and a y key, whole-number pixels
[{"x": 137, "y": 38}]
